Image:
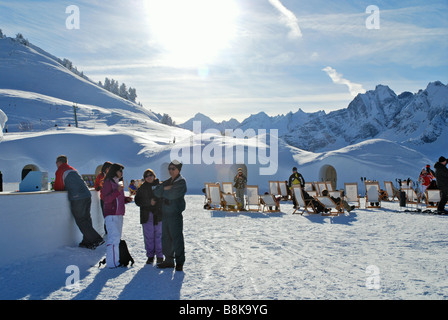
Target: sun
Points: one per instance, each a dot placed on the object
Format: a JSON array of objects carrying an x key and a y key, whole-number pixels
[{"x": 191, "y": 32}]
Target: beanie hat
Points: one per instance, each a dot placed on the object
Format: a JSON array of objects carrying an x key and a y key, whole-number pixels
[
  {"x": 442, "y": 159},
  {"x": 177, "y": 164}
]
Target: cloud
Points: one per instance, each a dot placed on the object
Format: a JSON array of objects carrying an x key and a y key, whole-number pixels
[
  {"x": 289, "y": 18},
  {"x": 337, "y": 78}
]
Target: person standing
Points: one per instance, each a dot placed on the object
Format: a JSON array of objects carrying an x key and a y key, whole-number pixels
[
  {"x": 68, "y": 179},
  {"x": 114, "y": 210},
  {"x": 100, "y": 180},
  {"x": 150, "y": 216},
  {"x": 425, "y": 178},
  {"x": 172, "y": 194},
  {"x": 441, "y": 174},
  {"x": 240, "y": 182},
  {"x": 295, "y": 179}
]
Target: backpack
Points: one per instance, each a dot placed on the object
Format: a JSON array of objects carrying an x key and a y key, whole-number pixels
[{"x": 125, "y": 256}]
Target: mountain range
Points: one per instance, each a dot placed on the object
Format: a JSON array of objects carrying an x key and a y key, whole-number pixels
[{"x": 411, "y": 119}]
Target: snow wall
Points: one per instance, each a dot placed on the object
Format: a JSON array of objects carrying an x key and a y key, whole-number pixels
[
  {"x": 3, "y": 119},
  {"x": 40, "y": 222}
]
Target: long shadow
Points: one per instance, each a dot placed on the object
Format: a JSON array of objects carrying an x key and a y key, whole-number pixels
[
  {"x": 151, "y": 283},
  {"x": 347, "y": 219},
  {"x": 92, "y": 291},
  {"x": 250, "y": 214},
  {"x": 38, "y": 277}
]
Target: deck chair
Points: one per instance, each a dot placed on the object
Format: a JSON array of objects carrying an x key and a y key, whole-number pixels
[
  {"x": 329, "y": 186},
  {"x": 207, "y": 193},
  {"x": 321, "y": 186},
  {"x": 216, "y": 201},
  {"x": 229, "y": 202},
  {"x": 328, "y": 203},
  {"x": 373, "y": 194},
  {"x": 308, "y": 187},
  {"x": 312, "y": 193},
  {"x": 269, "y": 203},
  {"x": 283, "y": 190},
  {"x": 227, "y": 187},
  {"x": 351, "y": 193},
  {"x": 335, "y": 194},
  {"x": 432, "y": 198},
  {"x": 274, "y": 188},
  {"x": 252, "y": 198},
  {"x": 411, "y": 196},
  {"x": 301, "y": 203},
  {"x": 390, "y": 190}
]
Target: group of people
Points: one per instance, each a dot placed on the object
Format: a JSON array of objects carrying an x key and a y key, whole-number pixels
[{"x": 161, "y": 206}]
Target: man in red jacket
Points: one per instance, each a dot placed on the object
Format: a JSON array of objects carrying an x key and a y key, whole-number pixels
[{"x": 68, "y": 179}]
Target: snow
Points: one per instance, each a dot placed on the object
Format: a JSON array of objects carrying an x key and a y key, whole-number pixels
[
  {"x": 257, "y": 256},
  {"x": 229, "y": 255}
]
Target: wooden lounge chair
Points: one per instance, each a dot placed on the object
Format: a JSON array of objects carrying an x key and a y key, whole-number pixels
[
  {"x": 283, "y": 190},
  {"x": 321, "y": 186},
  {"x": 269, "y": 203},
  {"x": 351, "y": 193},
  {"x": 432, "y": 198},
  {"x": 229, "y": 202},
  {"x": 308, "y": 187},
  {"x": 388, "y": 185},
  {"x": 301, "y": 203},
  {"x": 411, "y": 196},
  {"x": 274, "y": 188},
  {"x": 329, "y": 186},
  {"x": 207, "y": 193},
  {"x": 227, "y": 187},
  {"x": 216, "y": 201},
  {"x": 373, "y": 194},
  {"x": 333, "y": 208},
  {"x": 252, "y": 198}
]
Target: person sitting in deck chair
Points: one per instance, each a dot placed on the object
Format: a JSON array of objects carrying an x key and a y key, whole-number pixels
[
  {"x": 132, "y": 188},
  {"x": 317, "y": 205},
  {"x": 338, "y": 201}
]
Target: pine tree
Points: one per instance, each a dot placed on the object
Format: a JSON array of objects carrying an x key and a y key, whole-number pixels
[
  {"x": 132, "y": 94},
  {"x": 107, "y": 84},
  {"x": 123, "y": 91}
]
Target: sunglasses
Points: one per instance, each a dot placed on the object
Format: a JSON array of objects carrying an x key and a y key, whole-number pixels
[
  {"x": 149, "y": 175},
  {"x": 172, "y": 168}
]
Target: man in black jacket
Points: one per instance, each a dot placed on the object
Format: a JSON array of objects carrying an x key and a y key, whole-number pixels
[
  {"x": 295, "y": 178},
  {"x": 442, "y": 183}
]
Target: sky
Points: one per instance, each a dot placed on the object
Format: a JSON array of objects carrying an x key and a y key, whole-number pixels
[{"x": 233, "y": 58}]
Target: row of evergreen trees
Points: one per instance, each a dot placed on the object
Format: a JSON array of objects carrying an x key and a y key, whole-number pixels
[{"x": 113, "y": 86}]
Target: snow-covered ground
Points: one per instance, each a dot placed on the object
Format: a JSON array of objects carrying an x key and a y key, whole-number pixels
[{"x": 253, "y": 256}]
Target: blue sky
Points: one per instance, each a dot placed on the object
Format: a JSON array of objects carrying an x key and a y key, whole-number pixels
[{"x": 233, "y": 58}]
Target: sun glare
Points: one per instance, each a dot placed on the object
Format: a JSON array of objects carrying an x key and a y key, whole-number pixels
[{"x": 191, "y": 32}]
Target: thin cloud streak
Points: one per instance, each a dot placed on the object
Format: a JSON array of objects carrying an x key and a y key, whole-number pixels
[
  {"x": 289, "y": 19},
  {"x": 337, "y": 78}
]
